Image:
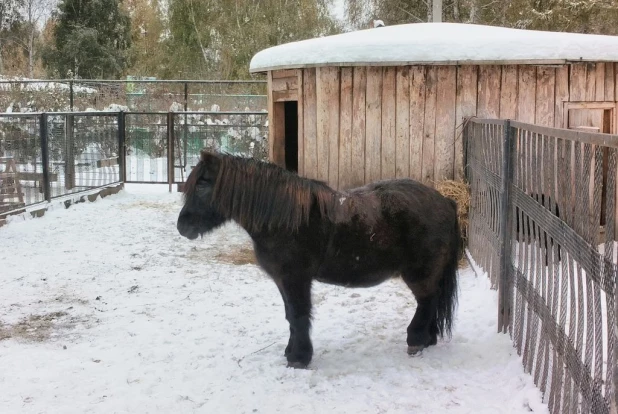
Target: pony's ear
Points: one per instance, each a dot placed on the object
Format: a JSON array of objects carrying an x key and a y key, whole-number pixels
[
  {"x": 210, "y": 160},
  {"x": 207, "y": 156}
]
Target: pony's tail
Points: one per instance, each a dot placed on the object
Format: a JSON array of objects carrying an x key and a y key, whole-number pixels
[{"x": 447, "y": 296}]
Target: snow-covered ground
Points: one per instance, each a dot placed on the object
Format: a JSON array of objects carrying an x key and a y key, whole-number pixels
[{"x": 104, "y": 308}]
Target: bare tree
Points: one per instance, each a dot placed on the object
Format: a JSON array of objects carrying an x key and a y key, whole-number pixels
[{"x": 35, "y": 11}]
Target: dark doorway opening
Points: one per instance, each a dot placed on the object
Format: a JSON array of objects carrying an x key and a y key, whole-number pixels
[{"x": 291, "y": 135}]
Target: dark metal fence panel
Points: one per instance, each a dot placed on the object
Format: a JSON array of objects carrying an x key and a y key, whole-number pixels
[
  {"x": 146, "y": 143},
  {"x": 49, "y": 155},
  {"x": 83, "y": 151},
  {"x": 561, "y": 263},
  {"x": 136, "y": 95},
  {"x": 238, "y": 133},
  {"x": 485, "y": 175},
  {"x": 21, "y": 171}
]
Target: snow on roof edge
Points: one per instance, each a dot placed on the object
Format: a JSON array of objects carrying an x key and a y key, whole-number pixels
[
  {"x": 542, "y": 62},
  {"x": 438, "y": 43}
]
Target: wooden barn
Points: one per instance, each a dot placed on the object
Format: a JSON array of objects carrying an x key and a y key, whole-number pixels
[{"x": 390, "y": 101}]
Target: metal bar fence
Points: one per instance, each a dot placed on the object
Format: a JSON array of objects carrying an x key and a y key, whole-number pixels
[
  {"x": 49, "y": 155},
  {"x": 557, "y": 249},
  {"x": 136, "y": 95}
]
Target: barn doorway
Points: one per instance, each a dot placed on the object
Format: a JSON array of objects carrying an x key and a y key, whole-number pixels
[
  {"x": 291, "y": 135},
  {"x": 284, "y": 135}
]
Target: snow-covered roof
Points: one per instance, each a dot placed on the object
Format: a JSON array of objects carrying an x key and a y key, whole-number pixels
[{"x": 438, "y": 43}]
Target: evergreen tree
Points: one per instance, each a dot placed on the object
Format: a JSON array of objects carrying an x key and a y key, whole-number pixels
[
  {"x": 147, "y": 31},
  {"x": 91, "y": 39}
]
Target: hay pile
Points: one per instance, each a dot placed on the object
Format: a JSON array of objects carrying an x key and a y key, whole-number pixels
[
  {"x": 459, "y": 191},
  {"x": 238, "y": 255}
]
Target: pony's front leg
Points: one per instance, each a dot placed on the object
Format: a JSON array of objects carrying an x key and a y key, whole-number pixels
[
  {"x": 288, "y": 348},
  {"x": 296, "y": 293}
]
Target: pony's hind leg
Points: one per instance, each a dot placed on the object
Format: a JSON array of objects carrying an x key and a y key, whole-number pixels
[
  {"x": 436, "y": 295},
  {"x": 423, "y": 330},
  {"x": 296, "y": 293}
]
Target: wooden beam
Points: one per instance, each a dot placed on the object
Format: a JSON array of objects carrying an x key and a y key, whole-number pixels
[
  {"x": 327, "y": 93},
  {"x": 345, "y": 130},
  {"x": 359, "y": 90},
  {"x": 373, "y": 143},
  {"x": 402, "y": 123},
  {"x": 429, "y": 126},
  {"x": 310, "y": 124},
  {"x": 283, "y": 96},
  {"x": 467, "y": 77},
  {"x": 445, "y": 123},
  {"x": 418, "y": 86},
  {"x": 389, "y": 115}
]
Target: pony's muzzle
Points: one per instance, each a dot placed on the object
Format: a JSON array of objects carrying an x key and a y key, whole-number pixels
[{"x": 186, "y": 230}]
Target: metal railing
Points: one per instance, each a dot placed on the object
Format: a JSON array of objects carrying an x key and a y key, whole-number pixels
[
  {"x": 543, "y": 226},
  {"x": 131, "y": 95}
]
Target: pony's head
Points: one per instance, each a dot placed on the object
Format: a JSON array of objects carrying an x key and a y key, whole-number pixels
[{"x": 199, "y": 215}]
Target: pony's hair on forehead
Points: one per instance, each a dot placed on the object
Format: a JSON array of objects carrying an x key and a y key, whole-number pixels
[
  {"x": 261, "y": 195},
  {"x": 198, "y": 171},
  {"x": 189, "y": 187}
]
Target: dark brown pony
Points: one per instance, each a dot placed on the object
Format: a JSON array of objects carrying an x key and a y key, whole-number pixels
[{"x": 303, "y": 230}]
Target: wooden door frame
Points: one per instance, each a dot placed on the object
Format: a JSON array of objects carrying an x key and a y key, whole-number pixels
[
  {"x": 567, "y": 106},
  {"x": 283, "y": 86}
]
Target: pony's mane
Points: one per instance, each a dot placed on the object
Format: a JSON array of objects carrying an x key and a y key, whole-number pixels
[{"x": 260, "y": 195}]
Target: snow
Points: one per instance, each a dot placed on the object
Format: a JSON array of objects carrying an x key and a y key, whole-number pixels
[
  {"x": 111, "y": 310},
  {"x": 438, "y": 43},
  {"x": 8, "y": 84}
]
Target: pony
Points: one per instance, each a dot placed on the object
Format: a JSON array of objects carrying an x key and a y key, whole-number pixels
[{"x": 303, "y": 230}]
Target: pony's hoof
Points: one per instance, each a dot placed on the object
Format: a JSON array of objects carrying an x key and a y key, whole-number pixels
[
  {"x": 297, "y": 365},
  {"x": 415, "y": 349}
]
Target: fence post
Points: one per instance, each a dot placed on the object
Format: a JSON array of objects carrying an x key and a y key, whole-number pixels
[
  {"x": 71, "y": 95},
  {"x": 185, "y": 134},
  {"x": 70, "y": 158},
  {"x": 45, "y": 155},
  {"x": 186, "y": 96},
  {"x": 170, "y": 149},
  {"x": 465, "y": 137},
  {"x": 121, "y": 147},
  {"x": 506, "y": 229}
]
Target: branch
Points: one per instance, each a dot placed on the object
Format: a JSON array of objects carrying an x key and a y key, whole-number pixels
[
  {"x": 197, "y": 33},
  {"x": 410, "y": 14}
]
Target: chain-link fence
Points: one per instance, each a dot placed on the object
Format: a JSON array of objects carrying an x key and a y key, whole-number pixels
[
  {"x": 131, "y": 95},
  {"x": 542, "y": 225}
]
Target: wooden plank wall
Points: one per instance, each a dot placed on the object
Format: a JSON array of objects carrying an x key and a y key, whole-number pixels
[{"x": 364, "y": 124}]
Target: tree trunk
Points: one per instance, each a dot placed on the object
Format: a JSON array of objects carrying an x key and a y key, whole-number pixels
[
  {"x": 456, "y": 11},
  {"x": 31, "y": 53},
  {"x": 437, "y": 11},
  {"x": 473, "y": 10}
]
